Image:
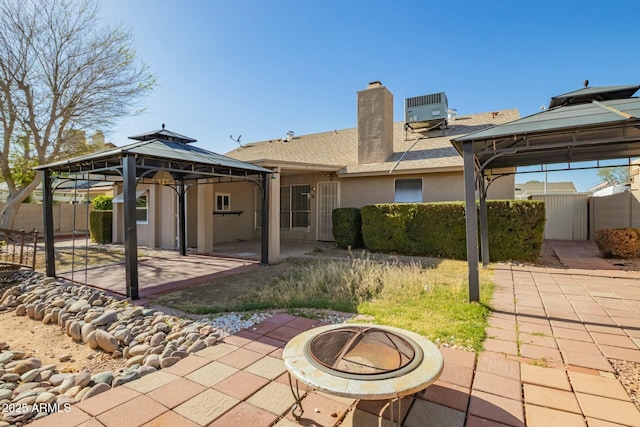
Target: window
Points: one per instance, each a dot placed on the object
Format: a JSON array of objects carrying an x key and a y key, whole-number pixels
[
  {"x": 295, "y": 206},
  {"x": 223, "y": 202},
  {"x": 408, "y": 191},
  {"x": 142, "y": 209}
]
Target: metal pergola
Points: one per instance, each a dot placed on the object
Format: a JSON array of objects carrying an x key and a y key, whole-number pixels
[
  {"x": 590, "y": 124},
  {"x": 139, "y": 162}
]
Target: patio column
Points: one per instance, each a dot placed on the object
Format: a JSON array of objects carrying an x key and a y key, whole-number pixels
[
  {"x": 182, "y": 214},
  {"x": 471, "y": 215},
  {"x": 484, "y": 227},
  {"x": 264, "y": 243},
  {"x": 130, "y": 226},
  {"x": 274, "y": 215},
  {"x": 47, "y": 214}
]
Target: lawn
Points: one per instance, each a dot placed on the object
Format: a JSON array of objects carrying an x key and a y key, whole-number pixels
[{"x": 426, "y": 295}]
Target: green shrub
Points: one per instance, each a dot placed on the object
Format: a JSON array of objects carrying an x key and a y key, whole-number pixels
[
  {"x": 516, "y": 229},
  {"x": 618, "y": 242},
  {"x": 102, "y": 203},
  {"x": 100, "y": 226},
  {"x": 347, "y": 227}
]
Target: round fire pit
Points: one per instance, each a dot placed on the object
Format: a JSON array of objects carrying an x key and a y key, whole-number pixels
[{"x": 363, "y": 361}]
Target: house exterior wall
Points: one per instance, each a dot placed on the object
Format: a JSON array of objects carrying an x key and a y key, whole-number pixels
[
  {"x": 436, "y": 187},
  {"x": 233, "y": 227},
  {"x": 192, "y": 217},
  {"x": 165, "y": 207}
]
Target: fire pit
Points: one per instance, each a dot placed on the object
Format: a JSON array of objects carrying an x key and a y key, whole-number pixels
[{"x": 362, "y": 361}]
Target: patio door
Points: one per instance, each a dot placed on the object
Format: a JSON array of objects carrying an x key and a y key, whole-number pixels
[{"x": 328, "y": 199}]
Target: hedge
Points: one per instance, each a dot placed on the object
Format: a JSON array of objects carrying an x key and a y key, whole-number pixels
[
  {"x": 100, "y": 226},
  {"x": 347, "y": 228},
  {"x": 516, "y": 229}
]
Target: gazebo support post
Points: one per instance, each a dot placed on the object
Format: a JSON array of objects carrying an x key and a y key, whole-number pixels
[
  {"x": 264, "y": 256},
  {"x": 471, "y": 217},
  {"x": 47, "y": 214},
  {"x": 484, "y": 227},
  {"x": 130, "y": 226},
  {"x": 182, "y": 223}
]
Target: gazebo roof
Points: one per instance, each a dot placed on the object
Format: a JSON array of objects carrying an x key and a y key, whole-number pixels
[
  {"x": 161, "y": 150},
  {"x": 590, "y": 124}
]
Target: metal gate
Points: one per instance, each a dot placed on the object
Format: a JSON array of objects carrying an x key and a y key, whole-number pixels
[
  {"x": 328, "y": 199},
  {"x": 566, "y": 215}
]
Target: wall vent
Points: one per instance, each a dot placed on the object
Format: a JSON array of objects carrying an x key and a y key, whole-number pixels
[{"x": 426, "y": 111}]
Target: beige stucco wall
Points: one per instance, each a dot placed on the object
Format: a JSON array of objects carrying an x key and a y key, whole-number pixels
[
  {"x": 233, "y": 227},
  {"x": 436, "y": 187}
]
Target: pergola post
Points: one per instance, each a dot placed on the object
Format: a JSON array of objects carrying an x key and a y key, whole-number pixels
[
  {"x": 130, "y": 226},
  {"x": 47, "y": 214},
  {"x": 471, "y": 217},
  {"x": 484, "y": 227},
  {"x": 182, "y": 214},
  {"x": 264, "y": 256}
]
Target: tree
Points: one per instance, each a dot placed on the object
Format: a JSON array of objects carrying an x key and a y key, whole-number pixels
[
  {"x": 62, "y": 70},
  {"x": 615, "y": 175}
]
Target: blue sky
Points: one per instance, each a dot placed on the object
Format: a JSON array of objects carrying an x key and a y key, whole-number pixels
[{"x": 261, "y": 68}]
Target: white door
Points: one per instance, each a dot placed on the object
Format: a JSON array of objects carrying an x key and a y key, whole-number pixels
[{"x": 328, "y": 199}]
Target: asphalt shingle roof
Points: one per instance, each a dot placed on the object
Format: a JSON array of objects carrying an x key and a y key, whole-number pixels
[{"x": 338, "y": 148}]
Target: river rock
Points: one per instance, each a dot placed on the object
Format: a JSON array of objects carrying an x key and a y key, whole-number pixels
[
  {"x": 157, "y": 339},
  {"x": 46, "y": 397},
  {"x": 105, "y": 377},
  {"x": 30, "y": 375},
  {"x": 135, "y": 360},
  {"x": 75, "y": 331},
  {"x": 106, "y": 318},
  {"x": 152, "y": 360},
  {"x": 168, "y": 361},
  {"x": 95, "y": 390},
  {"x": 10, "y": 377},
  {"x": 138, "y": 349},
  {"x": 6, "y": 356},
  {"x": 56, "y": 379},
  {"x": 106, "y": 341},
  {"x": 5, "y": 394},
  {"x": 87, "y": 328},
  {"x": 77, "y": 306},
  {"x": 125, "y": 378},
  {"x": 196, "y": 346},
  {"x": 21, "y": 310},
  {"x": 67, "y": 383},
  {"x": 210, "y": 340},
  {"x": 82, "y": 379},
  {"x": 91, "y": 340},
  {"x": 23, "y": 366}
]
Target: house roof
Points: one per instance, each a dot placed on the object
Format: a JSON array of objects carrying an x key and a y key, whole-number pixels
[
  {"x": 551, "y": 187},
  {"x": 337, "y": 150}
]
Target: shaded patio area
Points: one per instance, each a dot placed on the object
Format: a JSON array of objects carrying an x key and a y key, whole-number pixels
[{"x": 163, "y": 270}]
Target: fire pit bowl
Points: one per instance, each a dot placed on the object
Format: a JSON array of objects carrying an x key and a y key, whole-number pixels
[{"x": 363, "y": 361}]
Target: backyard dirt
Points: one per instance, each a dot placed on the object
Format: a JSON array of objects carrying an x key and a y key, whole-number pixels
[{"x": 49, "y": 343}]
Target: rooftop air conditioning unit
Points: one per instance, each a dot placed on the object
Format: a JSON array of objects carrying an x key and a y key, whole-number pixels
[{"x": 426, "y": 111}]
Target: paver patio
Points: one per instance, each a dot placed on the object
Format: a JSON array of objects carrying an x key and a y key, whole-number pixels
[{"x": 545, "y": 363}]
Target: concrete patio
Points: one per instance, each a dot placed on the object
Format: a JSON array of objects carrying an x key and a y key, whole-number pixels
[{"x": 546, "y": 362}]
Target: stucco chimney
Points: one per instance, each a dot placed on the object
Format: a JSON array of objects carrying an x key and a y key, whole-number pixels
[{"x": 375, "y": 124}]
